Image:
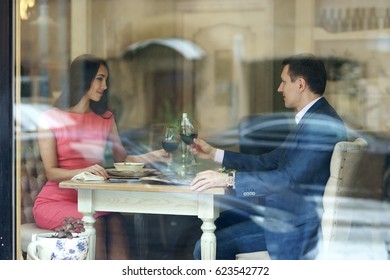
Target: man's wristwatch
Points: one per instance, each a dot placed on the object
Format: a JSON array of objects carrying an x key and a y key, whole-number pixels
[{"x": 230, "y": 180}]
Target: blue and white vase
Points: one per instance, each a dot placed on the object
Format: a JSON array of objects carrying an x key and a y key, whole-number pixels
[{"x": 48, "y": 247}]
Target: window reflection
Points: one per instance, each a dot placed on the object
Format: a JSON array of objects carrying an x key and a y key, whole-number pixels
[{"x": 169, "y": 57}]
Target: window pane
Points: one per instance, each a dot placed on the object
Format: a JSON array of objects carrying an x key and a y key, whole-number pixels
[{"x": 219, "y": 62}]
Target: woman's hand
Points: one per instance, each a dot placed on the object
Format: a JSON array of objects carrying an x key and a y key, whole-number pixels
[
  {"x": 203, "y": 150},
  {"x": 157, "y": 156},
  {"x": 209, "y": 179},
  {"x": 97, "y": 170}
]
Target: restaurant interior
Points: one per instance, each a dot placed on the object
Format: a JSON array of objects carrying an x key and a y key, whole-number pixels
[{"x": 218, "y": 61}]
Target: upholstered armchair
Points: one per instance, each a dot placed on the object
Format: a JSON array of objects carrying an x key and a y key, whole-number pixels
[
  {"x": 32, "y": 180},
  {"x": 336, "y": 222}
]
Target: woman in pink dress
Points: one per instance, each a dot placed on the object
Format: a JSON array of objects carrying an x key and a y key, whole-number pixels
[{"x": 72, "y": 138}]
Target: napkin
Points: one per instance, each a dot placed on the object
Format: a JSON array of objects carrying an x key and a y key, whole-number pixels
[{"x": 87, "y": 176}]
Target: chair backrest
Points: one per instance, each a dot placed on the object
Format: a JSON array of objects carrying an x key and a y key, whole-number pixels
[
  {"x": 32, "y": 177},
  {"x": 336, "y": 219}
]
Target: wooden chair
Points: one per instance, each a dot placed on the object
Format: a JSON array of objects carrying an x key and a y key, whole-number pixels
[{"x": 336, "y": 222}]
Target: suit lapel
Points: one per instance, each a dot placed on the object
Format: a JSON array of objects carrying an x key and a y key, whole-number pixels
[{"x": 291, "y": 142}]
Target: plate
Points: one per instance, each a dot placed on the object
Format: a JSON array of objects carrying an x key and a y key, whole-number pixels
[
  {"x": 129, "y": 166},
  {"x": 113, "y": 173}
]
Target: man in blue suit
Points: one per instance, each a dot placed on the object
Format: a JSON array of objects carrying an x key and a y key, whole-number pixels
[{"x": 290, "y": 179}]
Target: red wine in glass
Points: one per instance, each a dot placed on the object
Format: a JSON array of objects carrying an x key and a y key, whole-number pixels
[
  {"x": 170, "y": 145},
  {"x": 188, "y": 139}
]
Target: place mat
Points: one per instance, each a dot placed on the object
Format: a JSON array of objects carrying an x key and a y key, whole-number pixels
[{"x": 113, "y": 173}]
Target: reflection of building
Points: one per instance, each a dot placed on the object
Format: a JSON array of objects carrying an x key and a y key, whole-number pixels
[
  {"x": 233, "y": 36},
  {"x": 155, "y": 69},
  {"x": 234, "y": 79},
  {"x": 359, "y": 34},
  {"x": 243, "y": 41}
]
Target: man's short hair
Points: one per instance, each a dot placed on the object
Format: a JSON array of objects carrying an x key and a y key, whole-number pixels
[{"x": 310, "y": 68}]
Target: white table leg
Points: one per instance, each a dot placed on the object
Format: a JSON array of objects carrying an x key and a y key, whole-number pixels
[
  {"x": 89, "y": 220},
  {"x": 208, "y": 241},
  {"x": 85, "y": 206},
  {"x": 208, "y": 212}
]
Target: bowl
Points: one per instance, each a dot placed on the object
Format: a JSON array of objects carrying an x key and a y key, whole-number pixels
[{"x": 129, "y": 166}]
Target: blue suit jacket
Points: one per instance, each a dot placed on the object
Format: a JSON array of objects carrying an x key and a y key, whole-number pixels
[{"x": 291, "y": 179}]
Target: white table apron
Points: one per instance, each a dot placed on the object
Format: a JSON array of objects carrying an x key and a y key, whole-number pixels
[{"x": 201, "y": 205}]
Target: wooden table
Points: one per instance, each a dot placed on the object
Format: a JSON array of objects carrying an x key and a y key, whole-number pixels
[{"x": 140, "y": 197}]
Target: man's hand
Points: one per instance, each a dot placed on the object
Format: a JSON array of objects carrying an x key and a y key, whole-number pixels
[
  {"x": 203, "y": 150},
  {"x": 208, "y": 179},
  {"x": 157, "y": 156}
]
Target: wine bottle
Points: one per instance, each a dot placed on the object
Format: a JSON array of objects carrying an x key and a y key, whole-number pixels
[{"x": 188, "y": 132}]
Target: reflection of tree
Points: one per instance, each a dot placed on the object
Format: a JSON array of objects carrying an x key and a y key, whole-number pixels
[
  {"x": 358, "y": 88},
  {"x": 339, "y": 68},
  {"x": 167, "y": 113},
  {"x": 346, "y": 87}
]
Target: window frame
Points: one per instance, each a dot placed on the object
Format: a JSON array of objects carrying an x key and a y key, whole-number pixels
[{"x": 7, "y": 139}]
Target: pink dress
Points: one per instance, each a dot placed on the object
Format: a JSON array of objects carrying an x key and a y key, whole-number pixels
[{"x": 81, "y": 141}]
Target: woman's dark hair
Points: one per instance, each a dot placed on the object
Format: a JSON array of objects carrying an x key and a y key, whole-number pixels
[
  {"x": 81, "y": 74},
  {"x": 310, "y": 68}
]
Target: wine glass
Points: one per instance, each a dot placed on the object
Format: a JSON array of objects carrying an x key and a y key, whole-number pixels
[
  {"x": 170, "y": 141},
  {"x": 188, "y": 132}
]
